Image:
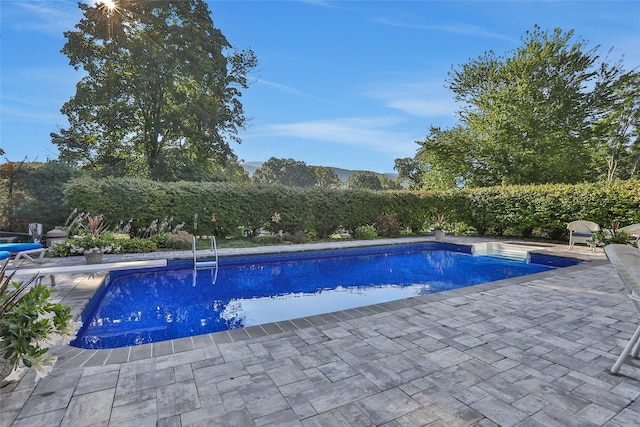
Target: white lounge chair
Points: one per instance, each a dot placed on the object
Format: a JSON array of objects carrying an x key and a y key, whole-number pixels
[
  {"x": 581, "y": 232},
  {"x": 633, "y": 230},
  {"x": 4, "y": 257},
  {"x": 30, "y": 251},
  {"x": 626, "y": 260}
]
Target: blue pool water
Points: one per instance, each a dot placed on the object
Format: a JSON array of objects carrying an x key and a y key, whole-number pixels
[{"x": 137, "y": 307}]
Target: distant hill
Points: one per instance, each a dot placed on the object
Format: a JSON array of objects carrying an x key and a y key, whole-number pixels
[{"x": 343, "y": 174}]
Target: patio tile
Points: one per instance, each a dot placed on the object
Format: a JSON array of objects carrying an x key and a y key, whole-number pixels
[
  {"x": 47, "y": 402},
  {"x": 141, "y": 352},
  {"x": 554, "y": 395},
  {"x": 263, "y": 399},
  {"x": 499, "y": 412},
  {"x": 301, "y": 406},
  {"x": 132, "y": 397},
  {"x": 626, "y": 418},
  {"x": 155, "y": 379},
  {"x": 58, "y": 381},
  {"x": 205, "y": 413},
  {"x": 388, "y": 405},
  {"x": 45, "y": 419},
  {"x": 338, "y": 370},
  {"x": 92, "y": 383},
  {"x": 177, "y": 398},
  {"x": 286, "y": 418},
  {"x": 447, "y": 408},
  {"x": 219, "y": 372},
  {"x": 333, "y": 395},
  {"x": 596, "y": 414},
  {"x": 176, "y": 359},
  {"x": 286, "y": 374},
  {"x": 327, "y": 419},
  {"x": 183, "y": 344},
  {"x": 163, "y": 347},
  {"x": 118, "y": 355},
  {"x": 86, "y": 409}
]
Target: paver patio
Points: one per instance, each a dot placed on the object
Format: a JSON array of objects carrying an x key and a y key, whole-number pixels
[{"x": 531, "y": 351}]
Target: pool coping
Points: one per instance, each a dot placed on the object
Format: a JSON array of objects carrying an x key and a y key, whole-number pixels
[{"x": 78, "y": 294}]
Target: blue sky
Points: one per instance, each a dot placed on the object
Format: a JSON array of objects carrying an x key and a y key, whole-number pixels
[{"x": 348, "y": 84}]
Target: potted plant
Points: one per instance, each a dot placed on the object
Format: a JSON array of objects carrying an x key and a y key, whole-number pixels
[
  {"x": 93, "y": 240},
  {"x": 30, "y": 323},
  {"x": 438, "y": 227}
]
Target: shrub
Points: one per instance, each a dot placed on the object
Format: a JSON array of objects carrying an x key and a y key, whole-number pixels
[
  {"x": 137, "y": 245},
  {"x": 298, "y": 237},
  {"x": 365, "y": 232},
  {"x": 266, "y": 240},
  {"x": 178, "y": 240},
  {"x": 387, "y": 225},
  {"x": 543, "y": 210}
]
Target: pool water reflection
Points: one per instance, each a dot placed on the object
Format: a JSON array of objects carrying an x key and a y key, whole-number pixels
[{"x": 149, "y": 306}]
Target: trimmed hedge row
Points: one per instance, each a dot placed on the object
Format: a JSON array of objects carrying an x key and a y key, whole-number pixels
[{"x": 516, "y": 210}]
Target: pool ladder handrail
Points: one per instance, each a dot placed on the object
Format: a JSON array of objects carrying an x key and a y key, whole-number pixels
[{"x": 205, "y": 264}]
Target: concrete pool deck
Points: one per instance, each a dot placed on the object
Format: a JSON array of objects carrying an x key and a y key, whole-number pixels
[{"x": 531, "y": 351}]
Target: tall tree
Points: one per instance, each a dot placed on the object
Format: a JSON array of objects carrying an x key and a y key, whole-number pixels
[
  {"x": 326, "y": 177},
  {"x": 364, "y": 180},
  {"x": 162, "y": 89},
  {"x": 389, "y": 184},
  {"x": 617, "y": 132},
  {"x": 289, "y": 172},
  {"x": 12, "y": 194},
  {"x": 527, "y": 117}
]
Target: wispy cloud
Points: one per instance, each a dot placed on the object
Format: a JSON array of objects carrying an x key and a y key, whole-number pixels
[
  {"x": 49, "y": 17},
  {"x": 421, "y": 99},
  {"x": 323, "y": 3},
  {"x": 451, "y": 28},
  {"x": 374, "y": 133},
  {"x": 288, "y": 89}
]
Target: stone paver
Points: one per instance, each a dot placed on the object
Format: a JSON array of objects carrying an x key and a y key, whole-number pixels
[{"x": 532, "y": 351}]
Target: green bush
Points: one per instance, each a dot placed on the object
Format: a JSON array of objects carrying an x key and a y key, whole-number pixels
[
  {"x": 365, "y": 232},
  {"x": 179, "y": 240},
  {"x": 387, "y": 225},
  {"x": 523, "y": 211},
  {"x": 137, "y": 245},
  {"x": 297, "y": 238}
]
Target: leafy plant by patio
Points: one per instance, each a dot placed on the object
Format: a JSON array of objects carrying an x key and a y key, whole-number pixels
[
  {"x": 30, "y": 323},
  {"x": 613, "y": 235},
  {"x": 365, "y": 232},
  {"x": 439, "y": 222},
  {"x": 91, "y": 237},
  {"x": 387, "y": 225}
]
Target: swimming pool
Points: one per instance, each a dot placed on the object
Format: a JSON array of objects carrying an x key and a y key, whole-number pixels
[{"x": 138, "y": 307}]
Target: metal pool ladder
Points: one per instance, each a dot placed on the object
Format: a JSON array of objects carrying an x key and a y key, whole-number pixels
[{"x": 205, "y": 265}]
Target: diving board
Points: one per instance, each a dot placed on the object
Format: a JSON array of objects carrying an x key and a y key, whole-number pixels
[{"x": 86, "y": 268}]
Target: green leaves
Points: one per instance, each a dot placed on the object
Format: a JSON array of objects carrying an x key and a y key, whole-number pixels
[
  {"x": 30, "y": 322},
  {"x": 550, "y": 111},
  {"x": 160, "y": 98},
  {"x": 288, "y": 172}
]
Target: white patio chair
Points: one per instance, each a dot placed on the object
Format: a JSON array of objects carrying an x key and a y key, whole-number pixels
[
  {"x": 626, "y": 260},
  {"x": 581, "y": 232},
  {"x": 633, "y": 230}
]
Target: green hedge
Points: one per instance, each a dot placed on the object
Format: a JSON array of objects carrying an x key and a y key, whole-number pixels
[{"x": 543, "y": 210}]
